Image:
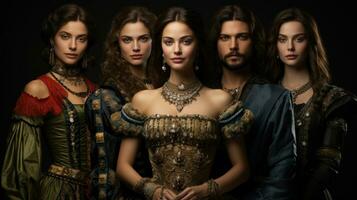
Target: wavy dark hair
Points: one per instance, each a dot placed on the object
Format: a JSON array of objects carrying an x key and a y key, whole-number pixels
[
  {"x": 317, "y": 58},
  {"x": 238, "y": 12},
  {"x": 115, "y": 69},
  {"x": 61, "y": 16},
  {"x": 194, "y": 21}
]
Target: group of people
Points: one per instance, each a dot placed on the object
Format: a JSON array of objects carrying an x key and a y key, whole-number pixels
[{"x": 180, "y": 113}]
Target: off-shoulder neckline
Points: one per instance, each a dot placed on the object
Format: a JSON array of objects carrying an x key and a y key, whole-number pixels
[{"x": 191, "y": 116}]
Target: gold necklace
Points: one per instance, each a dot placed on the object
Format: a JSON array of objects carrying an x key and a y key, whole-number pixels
[
  {"x": 70, "y": 74},
  {"x": 78, "y": 94},
  {"x": 180, "y": 95},
  {"x": 300, "y": 90},
  {"x": 234, "y": 92}
]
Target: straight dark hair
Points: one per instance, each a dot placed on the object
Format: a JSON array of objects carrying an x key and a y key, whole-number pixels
[
  {"x": 194, "y": 21},
  {"x": 317, "y": 58}
]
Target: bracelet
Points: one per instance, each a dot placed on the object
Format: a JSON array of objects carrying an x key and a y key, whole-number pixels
[
  {"x": 213, "y": 189},
  {"x": 147, "y": 187},
  {"x": 139, "y": 186}
]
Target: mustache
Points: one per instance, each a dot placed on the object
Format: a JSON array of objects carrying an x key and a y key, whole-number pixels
[{"x": 233, "y": 53}]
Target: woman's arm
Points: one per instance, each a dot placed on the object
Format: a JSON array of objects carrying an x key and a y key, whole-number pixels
[
  {"x": 239, "y": 171},
  {"x": 126, "y": 157}
]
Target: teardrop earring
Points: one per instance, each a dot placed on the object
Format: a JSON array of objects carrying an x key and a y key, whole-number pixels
[
  {"x": 163, "y": 67},
  {"x": 51, "y": 59}
]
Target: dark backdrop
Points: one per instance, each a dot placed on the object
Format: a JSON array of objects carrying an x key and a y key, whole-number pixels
[{"x": 20, "y": 47}]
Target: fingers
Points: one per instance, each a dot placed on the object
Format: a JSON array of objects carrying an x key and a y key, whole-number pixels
[
  {"x": 187, "y": 194},
  {"x": 168, "y": 194},
  {"x": 182, "y": 194},
  {"x": 191, "y": 195}
]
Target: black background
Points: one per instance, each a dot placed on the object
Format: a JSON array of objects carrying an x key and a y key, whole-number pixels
[{"x": 20, "y": 47}]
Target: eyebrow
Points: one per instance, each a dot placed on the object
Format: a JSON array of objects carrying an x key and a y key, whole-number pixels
[
  {"x": 146, "y": 34},
  {"x": 183, "y": 37},
  {"x": 81, "y": 35},
  {"x": 240, "y": 33},
  {"x": 280, "y": 34}
]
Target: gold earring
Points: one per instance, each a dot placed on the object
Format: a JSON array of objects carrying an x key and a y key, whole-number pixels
[{"x": 51, "y": 59}]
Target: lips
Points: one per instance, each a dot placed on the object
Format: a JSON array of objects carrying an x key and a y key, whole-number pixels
[
  {"x": 71, "y": 55},
  {"x": 136, "y": 56},
  {"x": 177, "y": 60},
  {"x": 291, "y": 57}
]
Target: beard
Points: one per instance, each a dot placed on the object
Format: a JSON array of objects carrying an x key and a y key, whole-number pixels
[{"x": 235, "y": 67}]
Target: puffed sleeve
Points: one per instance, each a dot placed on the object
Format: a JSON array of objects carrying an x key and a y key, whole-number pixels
[
  {"x": 235, "y": 121},
  {"x": 130, "y": 121},
  {"x": 100, "y": 107},
  {"x": 21, "y": 170}
]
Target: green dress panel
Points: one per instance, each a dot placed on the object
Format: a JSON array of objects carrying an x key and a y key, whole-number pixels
[
  {"x": 48, "y": 147},
  {"x": 24, "y": 175}
]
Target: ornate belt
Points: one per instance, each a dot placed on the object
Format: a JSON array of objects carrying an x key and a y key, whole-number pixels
[{"x": 68, "y": 174}]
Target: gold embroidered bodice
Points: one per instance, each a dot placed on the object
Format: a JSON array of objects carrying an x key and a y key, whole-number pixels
[{"x": 182, "y": 148}]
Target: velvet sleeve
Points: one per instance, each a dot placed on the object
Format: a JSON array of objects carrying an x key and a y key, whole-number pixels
[
  {"x": 22, "y": 163},
  {"x": 281, "y": 157}
]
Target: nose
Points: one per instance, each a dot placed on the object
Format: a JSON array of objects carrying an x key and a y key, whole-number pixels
[
  {"x": 233, "y": 45},
  {"x": 177, "y": 48},
  {"x": 73, "y": 45},
  {"x": 291, "y": 45},
  {"x": 136, "y": 47}
]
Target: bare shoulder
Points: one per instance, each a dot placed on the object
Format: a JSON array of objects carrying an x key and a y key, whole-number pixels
[
  {"x": 218, "y": 98},
  {"x": 37, "y": 88},
  {"x": 142, "y": 100}
]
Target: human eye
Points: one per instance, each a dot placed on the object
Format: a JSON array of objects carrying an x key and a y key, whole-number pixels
[
  {"x": 144, "y": 38},
  {"x": 126, "y": 40},
  {"x": 224, "y": 37},
  {"x": 83, "y": 39},
  {"x": 167, "y": 42},
  {"x": 282, "y": 39},
  {"x": 187, "y": 41},
  {"x": 244, "y": 36},
  {"x": 64, "y": 36},
  {"x": 300, "y": 39}
]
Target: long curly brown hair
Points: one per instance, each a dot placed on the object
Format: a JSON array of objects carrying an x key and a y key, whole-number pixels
[{"x": 115, "y": 69}]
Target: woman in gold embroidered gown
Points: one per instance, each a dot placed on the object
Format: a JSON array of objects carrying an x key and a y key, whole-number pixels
[
  {"x": 322, "y": 111},
  {"x": 182, "y": 120},
  {"x": 47, "y": 154}
]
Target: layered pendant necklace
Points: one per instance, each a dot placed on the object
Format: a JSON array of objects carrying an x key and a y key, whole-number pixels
[
  {"x": 180, "y": 95},
  {"x": 78, "y": 94},
  {"x": 300, "y": 90}
]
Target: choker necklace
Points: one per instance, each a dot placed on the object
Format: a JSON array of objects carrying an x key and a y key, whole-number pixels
[
  {"x": 180, "y": 95},
  {"x": 78, "y": 94},
  {"x": 300, "y": 90},
  {"x": 71, "y": 74}
]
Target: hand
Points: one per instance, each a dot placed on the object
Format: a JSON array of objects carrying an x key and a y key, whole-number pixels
[
  {"x": 193, "y": 192},
  {"x": 165, "y": 193}
]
